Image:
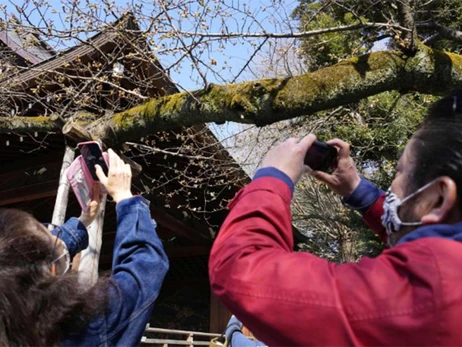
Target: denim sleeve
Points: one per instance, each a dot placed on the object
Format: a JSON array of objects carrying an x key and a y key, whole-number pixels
[
  {"x": 74, "y": 234},
  {"x": 138, "y": 270},
  {"x": 363, "y": 196},
  {"x": 238, "y": 339}
]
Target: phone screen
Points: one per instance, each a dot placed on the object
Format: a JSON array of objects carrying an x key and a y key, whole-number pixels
[
  {"x": 92, "y": 156},
  {"x": 320, "y": 156}
]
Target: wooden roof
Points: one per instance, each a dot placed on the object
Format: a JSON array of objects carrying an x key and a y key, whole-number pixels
[
  {"x": 24, "y": 42},
  {"x": 96, "y": 44}
]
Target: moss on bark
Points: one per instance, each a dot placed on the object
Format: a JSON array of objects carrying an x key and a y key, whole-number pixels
[{"x": 270, "y": 100}]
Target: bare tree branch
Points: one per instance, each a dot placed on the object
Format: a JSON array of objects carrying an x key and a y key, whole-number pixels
[
  {"x": 406, "y": 19},
  {"x": 432, "y": 39},
  {"x": 445, "y": 32},
  {"x": 303, "y": 34}
]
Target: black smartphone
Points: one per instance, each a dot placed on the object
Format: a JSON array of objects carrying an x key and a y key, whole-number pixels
[
  {"x": 92, "y": 155},
  {"x": 321, "y": 156}
]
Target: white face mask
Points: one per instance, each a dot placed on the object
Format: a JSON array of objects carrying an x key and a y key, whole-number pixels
[
  {"x": 63, "y": 265},
  {"x": 390, "y": 218}
]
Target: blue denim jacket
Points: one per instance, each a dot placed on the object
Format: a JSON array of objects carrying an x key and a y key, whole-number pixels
[
  {"x": 74, "y": 234},
  {"x": 138, "y": 269}
]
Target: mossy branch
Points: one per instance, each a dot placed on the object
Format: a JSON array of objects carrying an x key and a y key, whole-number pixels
[
  {"x": 27, "y": 124},
  {"x": 267, "y": 101}
]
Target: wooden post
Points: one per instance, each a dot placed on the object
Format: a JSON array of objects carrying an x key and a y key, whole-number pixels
[
  {"x": 190, "y": 339},
  {"x": 89, "y": 258},
  {"x": 219, "y": 315},
  {"x": 62, "y": 196}
]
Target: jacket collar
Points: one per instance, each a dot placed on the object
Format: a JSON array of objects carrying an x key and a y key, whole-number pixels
[{"x": 445, "y": 231}]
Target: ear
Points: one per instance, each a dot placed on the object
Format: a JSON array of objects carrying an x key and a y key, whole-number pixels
[
  {"x": 443, "y": 199},
  {"x": 53, "y": 269}
]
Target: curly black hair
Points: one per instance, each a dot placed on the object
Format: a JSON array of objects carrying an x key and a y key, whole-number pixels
[{"x": 36, "y": 307}]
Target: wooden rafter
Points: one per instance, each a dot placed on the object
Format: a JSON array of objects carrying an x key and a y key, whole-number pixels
[{"x": 29, "y": 192}]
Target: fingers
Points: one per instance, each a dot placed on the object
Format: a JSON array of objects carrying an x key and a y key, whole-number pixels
[
  {"x": 306, "y": 142},
  {"x": 100, "y": 173},
  {"x": 127, "y": 170},
  {"x": 323, "y": 177},
  {"x": 117, "y": 163},
  {"x": 344, "y": 147},
  {"x": 117, "y": 166},
  {"x": 114, "y": 160}
]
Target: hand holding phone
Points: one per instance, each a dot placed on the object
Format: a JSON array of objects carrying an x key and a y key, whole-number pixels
[
  {"x": 93, "y": 155},
  {"x": 118, "y": 182},
  {"x": 344, "y": 179},
  {"x": 82, "y": 175},
  {"x": 320, "y": 156}
]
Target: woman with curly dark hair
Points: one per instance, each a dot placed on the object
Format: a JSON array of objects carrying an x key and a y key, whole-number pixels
[{"x": 43, "y": 304}]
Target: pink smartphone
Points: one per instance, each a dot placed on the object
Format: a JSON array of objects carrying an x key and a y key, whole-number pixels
[
  {"x": 93, "y": 155},
  {"x": 82, "y": 175}
]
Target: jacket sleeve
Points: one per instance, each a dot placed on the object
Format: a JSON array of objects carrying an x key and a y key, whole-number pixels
[
  {"x": 288, "y": 298},
  {"x": 368, "y": 200},
  {"x": 139, "y": 267},
  {"x": 74, "y": 234},
  {"x": 373, "y": 218}
]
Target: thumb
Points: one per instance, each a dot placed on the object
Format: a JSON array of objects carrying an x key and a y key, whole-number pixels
[
  {"x": 307, "y": 141},
  {"x": 101, "y": 176}
]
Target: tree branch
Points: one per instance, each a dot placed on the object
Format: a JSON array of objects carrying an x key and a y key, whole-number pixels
[
  {"x": 447, "y": 33},
  {"x": 406, "y": 19},
  {"x": 429, "y": 41},
  {"x": 267, "y": 101},
  {"x": 23, "y": 125},
  {"x": 294, "y": 35}
]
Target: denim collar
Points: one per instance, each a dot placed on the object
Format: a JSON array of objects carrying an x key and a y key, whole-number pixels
[{"x": 445, "y": 231}]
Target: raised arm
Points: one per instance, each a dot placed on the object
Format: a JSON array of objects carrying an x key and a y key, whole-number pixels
[{"x": 139, "y": 261}]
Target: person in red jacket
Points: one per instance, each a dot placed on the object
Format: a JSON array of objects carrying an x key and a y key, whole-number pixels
[{"x": 411, "y": 294}]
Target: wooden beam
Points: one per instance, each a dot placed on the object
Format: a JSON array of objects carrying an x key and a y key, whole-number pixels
[
  {"x": 219, "y": 315},
  {"x": 189, "y": 251},
  {"x": 45, "y": 159},
  {"x": 172, "y": 253},
  {"x": 178, "y": 227},
  {"x": 29, "y": 192},
  {"x": 168, "y": 285}
]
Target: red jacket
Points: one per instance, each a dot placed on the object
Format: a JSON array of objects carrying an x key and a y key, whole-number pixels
[{"x": 409, "y": 295}]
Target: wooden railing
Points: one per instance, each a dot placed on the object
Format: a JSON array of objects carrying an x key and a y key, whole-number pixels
[{"x": 185, "y": 338}]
